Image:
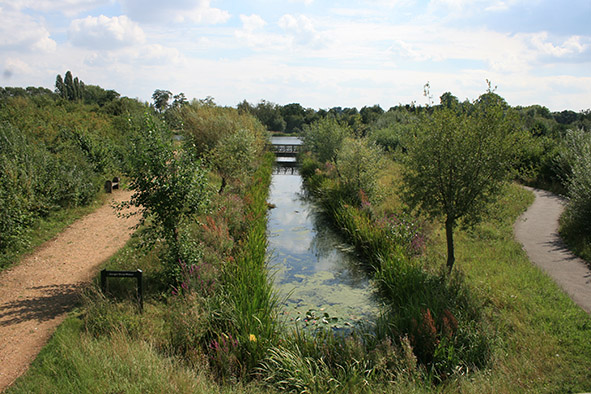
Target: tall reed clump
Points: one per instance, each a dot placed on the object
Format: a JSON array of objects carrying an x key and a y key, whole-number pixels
[{"x": 249, "y": 324}]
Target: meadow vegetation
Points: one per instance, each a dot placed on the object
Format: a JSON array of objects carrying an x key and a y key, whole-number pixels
[{"x": 494, "y": 323}]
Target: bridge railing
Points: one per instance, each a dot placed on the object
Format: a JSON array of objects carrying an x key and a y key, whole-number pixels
[{"x": 285, "y": 148}]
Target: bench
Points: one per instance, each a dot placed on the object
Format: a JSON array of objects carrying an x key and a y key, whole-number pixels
[{"x": 111, "y": 185}]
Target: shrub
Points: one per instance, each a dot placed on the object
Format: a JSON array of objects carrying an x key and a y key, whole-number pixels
[
  {"x": 169, "y": 187},
  {"x": 575, "y": 161},
  {"x": 233, "y": 155},
  {"x": 324, "y": 138},
  {"x": 205, "y": 124},
  {"x": 358, "y": 164},
  {"x": 438, "y": 314}
]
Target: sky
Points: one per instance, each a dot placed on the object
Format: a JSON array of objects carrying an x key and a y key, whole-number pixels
[{"x": 319, "y": 53}]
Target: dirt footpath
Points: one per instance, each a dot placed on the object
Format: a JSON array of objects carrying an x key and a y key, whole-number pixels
[
  {"x": 36, "y": 295},
  {"x": 537, "y": 230}
]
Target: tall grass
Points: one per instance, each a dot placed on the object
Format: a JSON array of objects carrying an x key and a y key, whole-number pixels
[
  {"x": 106, "y": 365},
  {"x": 247, "y": 286}
]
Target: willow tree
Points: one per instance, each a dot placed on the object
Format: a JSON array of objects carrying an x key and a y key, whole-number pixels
[{"x": 457, "y": 161}]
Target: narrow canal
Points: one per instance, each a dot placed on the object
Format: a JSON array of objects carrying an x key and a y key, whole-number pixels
[{"x": 314, "y": 272}]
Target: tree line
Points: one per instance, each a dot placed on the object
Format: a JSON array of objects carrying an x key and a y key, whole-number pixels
[{"x": 291, "y": 118}]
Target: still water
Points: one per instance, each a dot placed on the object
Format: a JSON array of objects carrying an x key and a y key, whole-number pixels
[{"x": 314, "y": 272}]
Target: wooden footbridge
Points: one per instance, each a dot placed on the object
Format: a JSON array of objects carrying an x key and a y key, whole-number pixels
[{"x": 286, "y": 150}]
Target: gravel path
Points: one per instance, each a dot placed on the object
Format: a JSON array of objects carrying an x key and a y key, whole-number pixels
[
  {"x": 36, "y": 295},
  {"x": 537, "y": 230}
]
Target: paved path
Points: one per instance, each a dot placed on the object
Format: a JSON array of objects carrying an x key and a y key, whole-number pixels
[
  {"x": 537, "y": 230},
  {"x": 36, "y": 294}
]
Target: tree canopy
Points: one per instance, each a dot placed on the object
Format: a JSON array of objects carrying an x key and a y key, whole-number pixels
[{"x": 458, "y": 160}]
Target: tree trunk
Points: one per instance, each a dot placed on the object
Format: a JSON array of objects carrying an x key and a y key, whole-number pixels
[{"x": 449, "y": 232}]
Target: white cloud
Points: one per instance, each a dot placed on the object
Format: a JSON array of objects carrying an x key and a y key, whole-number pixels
[
  {"x": 252, "y": 22},
  {"x": 301, "y": 30},
  {"x": 572, "y": 46},
  {"x": 179, "y": 11},
  {"x": 139, "y": 57},
  {"x": 252, "y": 31},
  {"x": 156, "y": 54},
  {"x": 21, "y": 31},
  {"x": 103, "y": 32},
  {"x": 14, "y": 66},
  {"x": 461, "y": 8}
]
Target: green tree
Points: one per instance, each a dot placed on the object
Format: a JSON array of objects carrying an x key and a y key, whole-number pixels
[
  {"x": 370, "y": 114},
  {"x": 358, "y": 163},
  {"x": 169, "y": 187},
  {"x": 324, "y": 138},
  {"x": 269, "y": 114},
  {"x": 233, "y": 155},
  {"x": 294, "y": 116},
  {"x": 60, "y": 88},
  {"x": 457, "y": 162},
  {"x": 450, "y": 101},
  {"x": 69, "y": 88},
  {"x": 161, "y": 98},
  {"x": 69, "y": 85}
]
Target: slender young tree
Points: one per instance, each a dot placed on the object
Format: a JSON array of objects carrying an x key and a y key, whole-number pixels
[
  {"x": 458, "y": 160},
  {"x": 60, "y": 87}
]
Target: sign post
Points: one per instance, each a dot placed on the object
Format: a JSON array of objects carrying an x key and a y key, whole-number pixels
[{"x": 125, "y": 274}]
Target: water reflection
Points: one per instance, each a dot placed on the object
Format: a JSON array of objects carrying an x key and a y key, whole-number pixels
[{"x": 311, "y": 266}]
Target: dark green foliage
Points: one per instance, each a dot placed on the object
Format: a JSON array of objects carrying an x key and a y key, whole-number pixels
[
  {"x": 390, "y": 129},
  {"x": 370, "y": 114},
  {"x": 161, "y": 98},
  {"x": 294, "y": 116},
  {"x": 29, "y": 91},
  {"x": 69, "y": 88},
  {"x": 267, "y": 113},
  {"x": 575, "y": 161},
  {"x": 93, "y": 94},
  {"x": 35, "y": 180}
]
